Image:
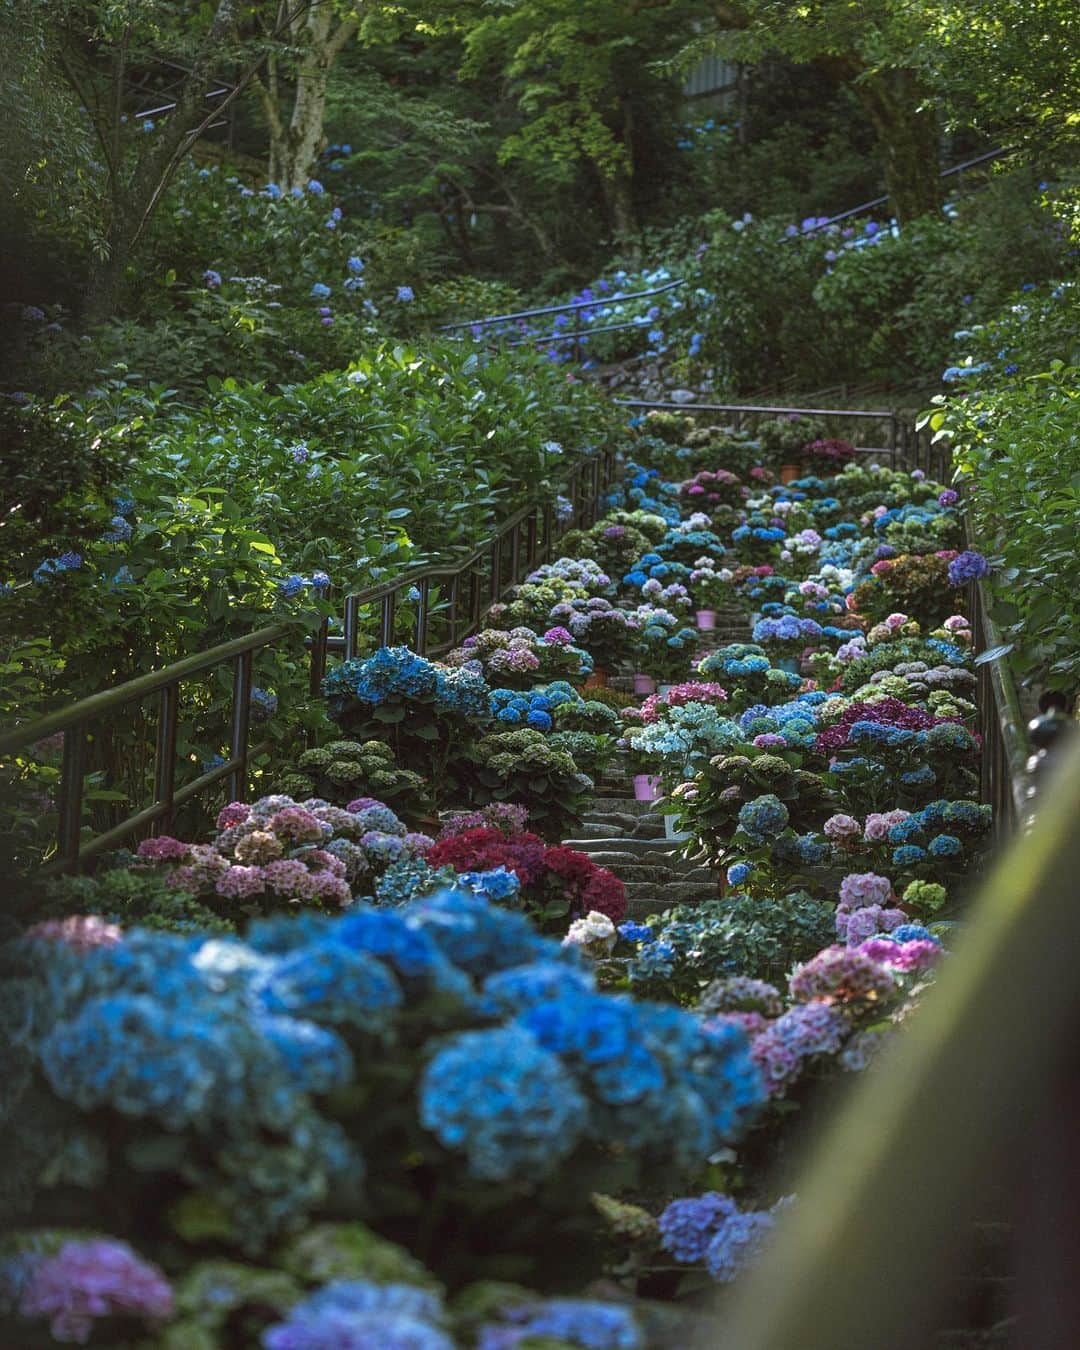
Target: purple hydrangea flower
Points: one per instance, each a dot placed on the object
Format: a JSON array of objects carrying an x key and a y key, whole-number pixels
[{"x": 967, "y": 566}]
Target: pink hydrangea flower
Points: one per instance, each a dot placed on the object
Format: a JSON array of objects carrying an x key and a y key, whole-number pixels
[
  {"x": 841, "y": 975},
  {"x": 86, "y": 1281},
  {"x": 878, "y": 825},
  {"x": 865, "y": 888},
  {"x": 80, "y": 932},
  {"x": 840, "y": 828},
  {"x": 162, "y": 848},
  {"x": 240, "y": 882},
  {"x": 297, "y": 825}
]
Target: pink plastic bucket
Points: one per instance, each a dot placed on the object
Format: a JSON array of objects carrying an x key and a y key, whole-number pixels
[{"x": 646, "y": 787}]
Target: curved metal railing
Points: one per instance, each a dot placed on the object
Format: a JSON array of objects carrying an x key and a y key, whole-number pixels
[
  {"x": 578, "y": 333},
  {"x": 464, "y": 592}
]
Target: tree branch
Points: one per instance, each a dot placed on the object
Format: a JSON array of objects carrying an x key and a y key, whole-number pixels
[
  {"x": 188, "y": 138},
  {"x": 346, "y": 31}
]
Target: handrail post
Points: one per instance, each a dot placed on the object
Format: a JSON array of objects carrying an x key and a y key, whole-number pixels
[
  {"x": 452, "y": 611},
  {"x": 351, "y": 614},
  {"x": 496, "y": 571},
  {"x": 515, "y": 553},
  {"x": 549, "y": 533},
  {"x": 165, "y": 752},
  {"x": 317, "y": 668},
  {"x": 386, "y": 620},
  {"x": 422, "y": 617},
  {"x": 241, "y": 724},
  {"x": 71, "y": 793}
]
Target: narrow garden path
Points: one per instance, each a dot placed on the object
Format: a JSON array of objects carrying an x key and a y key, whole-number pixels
[
  {"x": 449, "y": 1003},
  {"x": 631, "y": 838}
]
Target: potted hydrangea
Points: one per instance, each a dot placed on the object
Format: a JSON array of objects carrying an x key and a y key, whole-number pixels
[
  {"x": 785, "y": 638},
  {"x": 711, "y": 587}
]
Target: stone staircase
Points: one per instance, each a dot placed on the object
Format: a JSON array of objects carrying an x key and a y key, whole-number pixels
[{"x": 628, "y": 837}]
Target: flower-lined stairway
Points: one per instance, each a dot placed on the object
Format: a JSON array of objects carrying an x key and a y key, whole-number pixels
[{"x": 518, "y": 982}]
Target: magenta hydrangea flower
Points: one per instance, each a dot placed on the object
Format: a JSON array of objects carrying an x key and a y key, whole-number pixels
[
  {"x": 907, "y": 957},
  {"x": 233, "y": 814},
  {"x": 162, "y": 848},
  {"x": 559, "y": 636},
  {"x": 86, "y": 1281}
]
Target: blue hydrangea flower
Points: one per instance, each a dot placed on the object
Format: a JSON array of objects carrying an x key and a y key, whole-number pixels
[
  {"x": 736, "y": 1244},
  {"x": 505, "y": 1102},
  {"x": 498, "y": 884},
  {"x": 566, "y": 1321},
  {"x": 687, "y": 1226},
  {"x": 526, "y": 986},
  {"x": 327, "y": 982},
  {"x": 635, "y": 932},
  {"x": 764, "y": 817},
  {"x": 913, "y": 932}
]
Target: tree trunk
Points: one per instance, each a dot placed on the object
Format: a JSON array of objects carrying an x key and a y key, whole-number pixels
[
  {"x": 619, "y": 195},
  {"x": 907, "y": 132},
  {"x": 295, "y": 144},
  {"x": 294, "y": 150}
]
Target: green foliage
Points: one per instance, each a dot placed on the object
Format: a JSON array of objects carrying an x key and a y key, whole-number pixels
[
  {"x": 524, "y": 767},
  {"x": 1015, "y": 438},
  {"x": 341, "y": 771},
  {"x": 738, "y": 935},
  {"x": 120, "y": 894}
]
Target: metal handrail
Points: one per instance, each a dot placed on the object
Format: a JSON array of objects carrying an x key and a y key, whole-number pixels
[
  {"x": 980, "y": 1087},
  {"x": 736, "y": 411},
  {"x": 479, "y": 581},
  {"x": 738, "y": 408},
  {"x": 558, "y": 309},
  {"x": 884, "y": 201},
  {"x": 1005, "y": 747},
  {"x": 520, "y": 542},
  {"x": 1004, "y": 779}
]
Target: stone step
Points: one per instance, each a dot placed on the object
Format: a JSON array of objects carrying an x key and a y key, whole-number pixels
[
  {"x": 610, "y": 827},
  {"x": 674, "y": 893},
  {"x": 604, "y": 805},
  {"x": 642, "y": 874},
  {"x": 644, "y": 848},
  {"x": 641, "y": 907}
]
